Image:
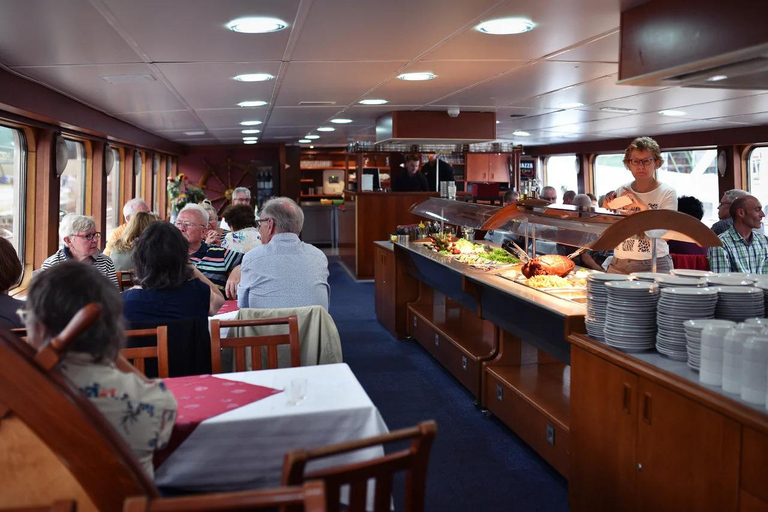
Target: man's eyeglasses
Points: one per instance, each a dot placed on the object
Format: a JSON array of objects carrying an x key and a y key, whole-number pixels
[
  {"x": 259, "y": 221},
  {"x": 90, "y": 236},
  {"x": 645, "y": 162},
  {"x": 187, "y": 225}
]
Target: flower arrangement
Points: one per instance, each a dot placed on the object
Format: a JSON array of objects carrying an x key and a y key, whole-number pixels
[{"x": 181, "y": 192}]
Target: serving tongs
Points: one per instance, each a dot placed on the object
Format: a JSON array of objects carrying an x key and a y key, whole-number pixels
[
  {"x": 515, "y": 250},
  {"x": 578, "y": 252}
]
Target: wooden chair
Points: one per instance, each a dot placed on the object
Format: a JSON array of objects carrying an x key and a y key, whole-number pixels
[
  {"x": 311, "y": 496},
  {"x": 55, "y": 445},
  {"x": 57, "y": 506},
  {"x": 412, "y": 460},
  {"x": 137, "y": 355},
  {"x": 271, "y": 343},
  {"x": 124, "y": 279},
  {"x": 21, "y": 332}
]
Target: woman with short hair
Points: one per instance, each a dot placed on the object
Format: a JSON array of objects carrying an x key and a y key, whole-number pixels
[
  {"x": 10, "y": 272},
  {"x": 168, "y": 286},
  {"x": 244, "y": 235},
  {"x": 215, "y": 233},
  {"x": 142, "y": 411},
  {"x": 123, "y": 247},
  {"x": 80, "y": 242}
]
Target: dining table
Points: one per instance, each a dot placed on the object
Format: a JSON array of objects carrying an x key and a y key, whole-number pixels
[{"x": 243, "y": 447}]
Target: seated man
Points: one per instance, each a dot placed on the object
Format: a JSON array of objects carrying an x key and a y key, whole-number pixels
[
  {"x": 215, "y": 263},
  {"x": 133, "y": 206},
  {"x": 743, "y": 250},
  {"x": 283, "y": 272}
]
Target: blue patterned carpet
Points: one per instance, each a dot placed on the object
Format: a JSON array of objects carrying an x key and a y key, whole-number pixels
[{"x": 477, "y": 464}]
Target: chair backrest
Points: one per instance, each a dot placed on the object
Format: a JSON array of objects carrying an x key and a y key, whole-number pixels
[
  {"x": 124, "y": 279},
  {"x": 413, "y": 461},
  {"x": 56, "y": 506},
  {"x": 89, "y": 448},
  {"x": 189, "y": 345},
  {"x": 271, "y": 342},
  {"x": 310, "y": 495},
  {"x": 137, "y": 355}
]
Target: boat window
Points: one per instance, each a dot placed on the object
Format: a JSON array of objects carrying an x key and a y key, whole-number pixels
[
  {"x": 114, "y": 211},
  {"x": 561, "y": 172},
  {"x": 757, "y": 168},
  {"x": 12, "y": 186},
  {"x": 72, "y": 181},
  {"x": 138, "y": 171},
  {"x": 155, "y": 177}
]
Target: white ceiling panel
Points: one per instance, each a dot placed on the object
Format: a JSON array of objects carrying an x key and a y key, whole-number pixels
[
  {"x": 86, "y": 84},
  {"x": 739, "y": 106},
  {"x": 676, "y": 98},
  {"x": 375, "y": 30},
  {"x": 604, "y": 49},
  {"x": 559, "y": 24},
  {"x": 46, "y": 32},
  {"x": 358, "y": 78},
  {"x": 154, "y": 121},
  {"x": 195, "y": 30},
  {"x": 231, "y": 118},
  {"x": 758, "y": 118},
  {"x": 561, "y": 118},
  {"x": 301, "y": 116}
]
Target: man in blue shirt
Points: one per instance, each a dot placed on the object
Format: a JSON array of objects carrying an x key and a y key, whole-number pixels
[{"x": 283, "y": 272}]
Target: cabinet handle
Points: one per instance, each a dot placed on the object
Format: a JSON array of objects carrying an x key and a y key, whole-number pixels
[
  {"x": 627, "y": 399},
  {"x": 647, "y": 408}
]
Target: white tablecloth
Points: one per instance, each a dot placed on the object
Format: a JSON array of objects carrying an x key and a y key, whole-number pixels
[{"x": 244, "y": 448}]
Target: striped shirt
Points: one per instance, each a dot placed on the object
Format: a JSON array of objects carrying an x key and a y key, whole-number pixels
[
  {"x": 215, "y": 263},
  {"x": 102, "y": 263},
  {"x": 738, "y": 255}
]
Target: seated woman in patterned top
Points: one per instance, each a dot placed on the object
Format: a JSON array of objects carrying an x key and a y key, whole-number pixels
[
  {"x": 244, "y": 235},
  {"x": 141, "y": 410}
]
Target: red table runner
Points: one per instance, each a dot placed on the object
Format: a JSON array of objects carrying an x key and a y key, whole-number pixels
[
  {"x": 204, "y": 396},
  {"x": 228, "y": 307}
]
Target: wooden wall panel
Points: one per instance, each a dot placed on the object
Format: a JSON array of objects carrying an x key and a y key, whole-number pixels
[{"x": 46, "y": 202}]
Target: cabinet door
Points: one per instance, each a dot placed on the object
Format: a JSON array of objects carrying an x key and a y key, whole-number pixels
[
  {"x": 602, "y": 435},
  {"x": 379, "y": 272},
  {"x": 687, "y": 454},
  {"x": 477, "y": 166},
  {"x": 498, "y": 168}
]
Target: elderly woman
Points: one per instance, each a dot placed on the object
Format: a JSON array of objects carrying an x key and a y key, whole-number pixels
[
  {"x": 80, "y": 242},
  {"x": 10, "y": 272},
  {"x": 244, "y": 235},
  {"x": 169, "y": 286},
  {"x": 142, "y": 411},
  {"x": 215, "y": 233},
  {"x": 123, "y": 247}
]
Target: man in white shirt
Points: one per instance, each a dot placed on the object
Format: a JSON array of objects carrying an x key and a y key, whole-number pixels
[{"x": 241, "y": 195}]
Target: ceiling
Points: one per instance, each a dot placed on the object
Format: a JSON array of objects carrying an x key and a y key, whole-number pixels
[{"x": 343, "y": 51}]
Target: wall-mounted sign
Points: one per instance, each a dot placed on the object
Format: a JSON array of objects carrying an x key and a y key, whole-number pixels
[{"x": 527, "y": 167}]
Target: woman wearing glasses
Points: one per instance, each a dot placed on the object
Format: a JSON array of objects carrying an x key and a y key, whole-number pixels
[
  {"x": 80, "y": 242},
  {"x": 642, "y": 158}
]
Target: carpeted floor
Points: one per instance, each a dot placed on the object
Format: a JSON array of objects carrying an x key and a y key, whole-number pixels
[{"x": 477, "y": 464}]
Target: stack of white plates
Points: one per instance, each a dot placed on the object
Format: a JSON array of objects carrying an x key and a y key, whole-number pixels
[
  {"x": 630, "y": 320},
  {"x": 693, "y": 330},
  {"x": 723, "y": 280},
  {"x": 676, "y": 305},
  {"x": 684, "y": 272},
  {"x": 597, "y": 302},
  {"x": 649, "y": 277},
  {"x": 763, "y": 285},
  {"x": 737, "y": 303},
  {"x": 679, "y": 282}
]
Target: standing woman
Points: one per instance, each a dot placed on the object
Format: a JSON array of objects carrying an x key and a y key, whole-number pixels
[
  {"x": 123, "y": 247},
  {"x": 642, "y": 158},
  {"x": 80, "y": 242},
  {"x": 10, "y": 272}
]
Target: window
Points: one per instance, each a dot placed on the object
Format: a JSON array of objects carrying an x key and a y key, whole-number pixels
[
  {"x": 72, "y": 181},
  {"x": 113, "y": 194},
  {"x": 155, "y": 176},
  {"x": 12, "y": 186},
  {"x": 691, "y": 172},
  {"x": 138, "y": 172},
  {"x": 561, "y": 172},
  {"x": 757, "y": 167}
]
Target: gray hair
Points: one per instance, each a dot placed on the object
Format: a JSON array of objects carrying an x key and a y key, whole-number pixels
[
  {"x": 131, "y": 206},
  {"x": 735, "y": 193},
  {"x": 212, "y": 213},
  {"x": 242, "y": 190},
  {"x": 72, "y": 224},
  {"x": 288, "y": 216},
  {"x": 199, "y": 209},
  {"x": 582, "y": 201}
]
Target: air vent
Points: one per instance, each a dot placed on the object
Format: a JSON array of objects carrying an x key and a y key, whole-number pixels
[
  {"x": 317, "y": 103},
  {"x": 128, "y": 79}
]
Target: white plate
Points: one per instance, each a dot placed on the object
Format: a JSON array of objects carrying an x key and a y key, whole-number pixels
[
  {"x": 689, "y": 292},
  {"x": 648, "y": 276},
  {"x": 702, "y": 323},
  {"x": 738, "y": 290},
  {"x": 607, "y": 277},
  {"x": 691, "y": 273},
  {"x": 729, "y": 281}
]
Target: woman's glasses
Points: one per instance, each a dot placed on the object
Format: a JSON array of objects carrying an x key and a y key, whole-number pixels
[
  {"x": 637, "y": 162},
  {"x": 90, "y": 236}
]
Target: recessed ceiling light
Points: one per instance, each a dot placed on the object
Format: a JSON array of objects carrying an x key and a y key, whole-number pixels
[
  {"x": 304, "y": 141},
  {"x": 311, "y": 147},
  {"x": 717, "y": 78},
  {"x": 521, "y": 133},
  {"x": 250, "y": 138},
  {"x": 373, "y": 102},
  {"x": 194, "y": 133},
  {"x": 312, "y": 137},
  {"x": 505, "y": 26},
  {"x": 341, "y": 120},
  {"x": 326, "y": 129},
  {"x": 250, "y": 123},
  {"x": 672, "y": 113},
  {"x": 254, "y": 77},
  {"x": 256, "y": 25},
  {"x": 618, "y": 110},
  {"x": 416, "y": 77},
  {"x": 251, "y": 130},
  {"x": 572, "y": 104},
  {"x": 498, "y": 122},
  {"x": 257, "y": 103},
  {"x": 250, "y": 141}
]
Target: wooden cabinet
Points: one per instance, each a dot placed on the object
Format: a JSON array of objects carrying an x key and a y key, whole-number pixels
[
  {"x": 384, "y": 276},
  {"x": 636, "y": 445},
  {"x": 313, "y": 166},
  {"x": 490, "y": 167}
]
